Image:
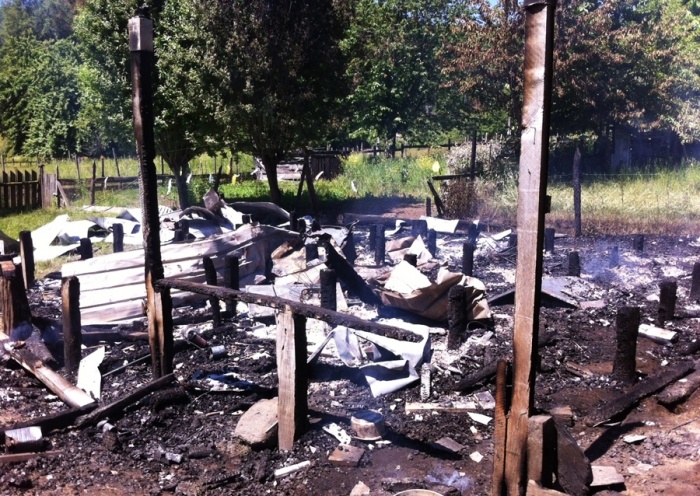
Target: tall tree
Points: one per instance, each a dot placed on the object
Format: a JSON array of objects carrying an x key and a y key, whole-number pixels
[
  {"x": 393, "y": 47},
  {"x": 185, "y": 113},
  {"x": 279, "y": 69}
]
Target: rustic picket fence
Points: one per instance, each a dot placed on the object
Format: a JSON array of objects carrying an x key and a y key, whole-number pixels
[{"x": 26, "y": 189}]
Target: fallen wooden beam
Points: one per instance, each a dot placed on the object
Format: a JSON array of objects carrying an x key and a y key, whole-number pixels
[
  {"x": 59, "y": 420},
  {"x": 640, "y": 391},
  {"x": 449, "y": 407},
  {"x": 488, "y": 371},
  {"x": 680, "y": 391},
  {"x": 67, "y": 392},
  {"x": 23, "y": 457},
  {"x": 309, "y": 311},
  {"x": 125, "y": 401}
]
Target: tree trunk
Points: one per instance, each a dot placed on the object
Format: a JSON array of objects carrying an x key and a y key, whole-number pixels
[
  {"x": 182, "y": 193},
  {"x": 270, "y": 162}
]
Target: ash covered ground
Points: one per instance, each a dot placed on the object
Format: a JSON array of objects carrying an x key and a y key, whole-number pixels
[{"x": 180, "y": 440}]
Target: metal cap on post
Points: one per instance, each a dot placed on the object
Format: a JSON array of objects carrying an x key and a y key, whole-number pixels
[{"x": 141, "y": 32}]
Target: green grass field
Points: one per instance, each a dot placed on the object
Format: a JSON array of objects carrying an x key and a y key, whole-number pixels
[{"x": 661, "y": 203}]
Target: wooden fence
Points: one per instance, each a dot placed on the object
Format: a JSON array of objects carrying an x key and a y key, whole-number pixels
[{"x": 26, "y": 189}]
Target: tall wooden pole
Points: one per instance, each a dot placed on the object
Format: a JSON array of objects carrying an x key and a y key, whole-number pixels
[
  {"x": 159, "y": 304},
  {"x": 539, "y": 29}
]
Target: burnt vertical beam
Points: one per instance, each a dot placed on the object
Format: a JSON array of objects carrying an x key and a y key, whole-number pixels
[
  {"x": 456, "y": 316},
  {"x": 627, "y": 330},
  {"x": 103, "y": 166},
  {"x": 184, "y": 228},
  {"x": 614, "y": 257},
  {"x": 468, "y": 259},
  {"x": 72, "y": 329},
  {"x": 293, "y": 221},
  {"x": 432, "y": 242},
  {"x": 380, "y": 245},
  {"x": 85, "y": 249},
  {"x": 159, "y": 304},
  {"x": 695, "y": 283},
  {"x": 576, "y": 173},
  {"x": 329, "y": 281},
  {"x": 118, "y": 237},
  {"x": 549, "y": 239},
  {"x": 667, "y": 300},
  {"x": 574, "y": 264},
  {"x": 311, "y": 249},
  {"x": 26, "y": 251},
  {"x": 428, "y": 207},
  {"x": 232, "y": 280},
  {"x": 512, "y": 240},
  {"x": 292, "y": 378},
  {"x": 532, "y": 204},
  {"x": 16, "y": 314},
  {"x": 638, "y": 243},
  {"x": 210, "y": 276}
]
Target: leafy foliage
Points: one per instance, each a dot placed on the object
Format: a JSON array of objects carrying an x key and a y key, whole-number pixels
[{"x": 279, "y": 69}]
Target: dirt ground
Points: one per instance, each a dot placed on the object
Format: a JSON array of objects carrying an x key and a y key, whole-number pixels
[{"x": 181, "y": 440}]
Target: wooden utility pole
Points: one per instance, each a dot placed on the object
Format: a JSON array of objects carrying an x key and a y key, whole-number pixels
[
  {"x": 158, "y": 303},
  {"x": 539, "y": 30}
]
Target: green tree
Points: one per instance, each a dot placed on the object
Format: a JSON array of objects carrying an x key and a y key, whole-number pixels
[
  {"x": 279, "y": 70},
  {"x": 185, "y": 112},
  {"x": 393, "y": 46}
]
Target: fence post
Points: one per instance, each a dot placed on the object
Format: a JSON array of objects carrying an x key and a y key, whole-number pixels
[
  {"x": 577, "y": 192},
  {"x": 92, "y": 185},
  {"x": 77, "y": 166}
]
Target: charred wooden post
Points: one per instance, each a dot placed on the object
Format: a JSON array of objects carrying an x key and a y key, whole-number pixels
[
  {"x": 625, "y": 364},
  {"x": 667, "y": 301},
  {"x": 210, "y": 276},
  {"x": 577, "y": 193},
  {"x": 614, "y": 257},
  {"x": 184, "y": 229},
  {"x": 348, "y": 248},
  {"x": 246, "y": 218},
  {"x": 499, "y": 428},
  {"x": 232, "y": 280},
  {"x": 695, "y": 284},
  {"x": 292, "y": 375},
  {"x": 421, "y": 228},
  {"x": 574, "y": 264},
  {"x": 85, "y": 249},
  {"x": 468, "y": 259},
  {"x": 118, "y": 237},
  {"x": 411, "y": 258},
  {"x": 456, "y": 316},
  {"x": 159, "y": 303},
  {"x": 428, "y": 207},
  {"x": 473, "y": 233},
  {"x": 301, "y": 226},
  {"x": 638, "y": 243},
  {"x": 72, "y": 329},
  {"x": 15, "y": 305},
  {"x": 93, "y": 182},
  {"x": 380, "y": 245},
  {"x": 329, "y": 281},
  {"x": 103, "y": 166},
  {"x": 311, "y": 250},
  {"x": 372, "y": 240},
  {"x": 532, "y": 204},
  {"x": 348, "y": 274},
  {"x": 26, "y": 251},
  {"x": 549, "y": 239},
  {"x": 432, "y": 242},
  {"x": 512, "y": 240}
]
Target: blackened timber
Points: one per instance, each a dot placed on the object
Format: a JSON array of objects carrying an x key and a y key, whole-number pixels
[
  {"x": 72, "y": 330},
  {"x": 303, "y": 309},
  {"x": 120, "y": 404},
  {"x": 26, "y": 249},
  {"x": 13, "y": 298},
  {"x": 210, "y": 274},
  {"x": 438, "y": 202},
  {"x": 456, "y": 316},
  {"x": 159, "y": 305},
  {"x": 667, "y": 301},
  {"x": 650, "y": 386},
  {"x": 118, "y": 237},
  {"x": 54, "y": 421},
  {"x": 347, "y": 273},
  {"x": 627, "y": 329}
]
